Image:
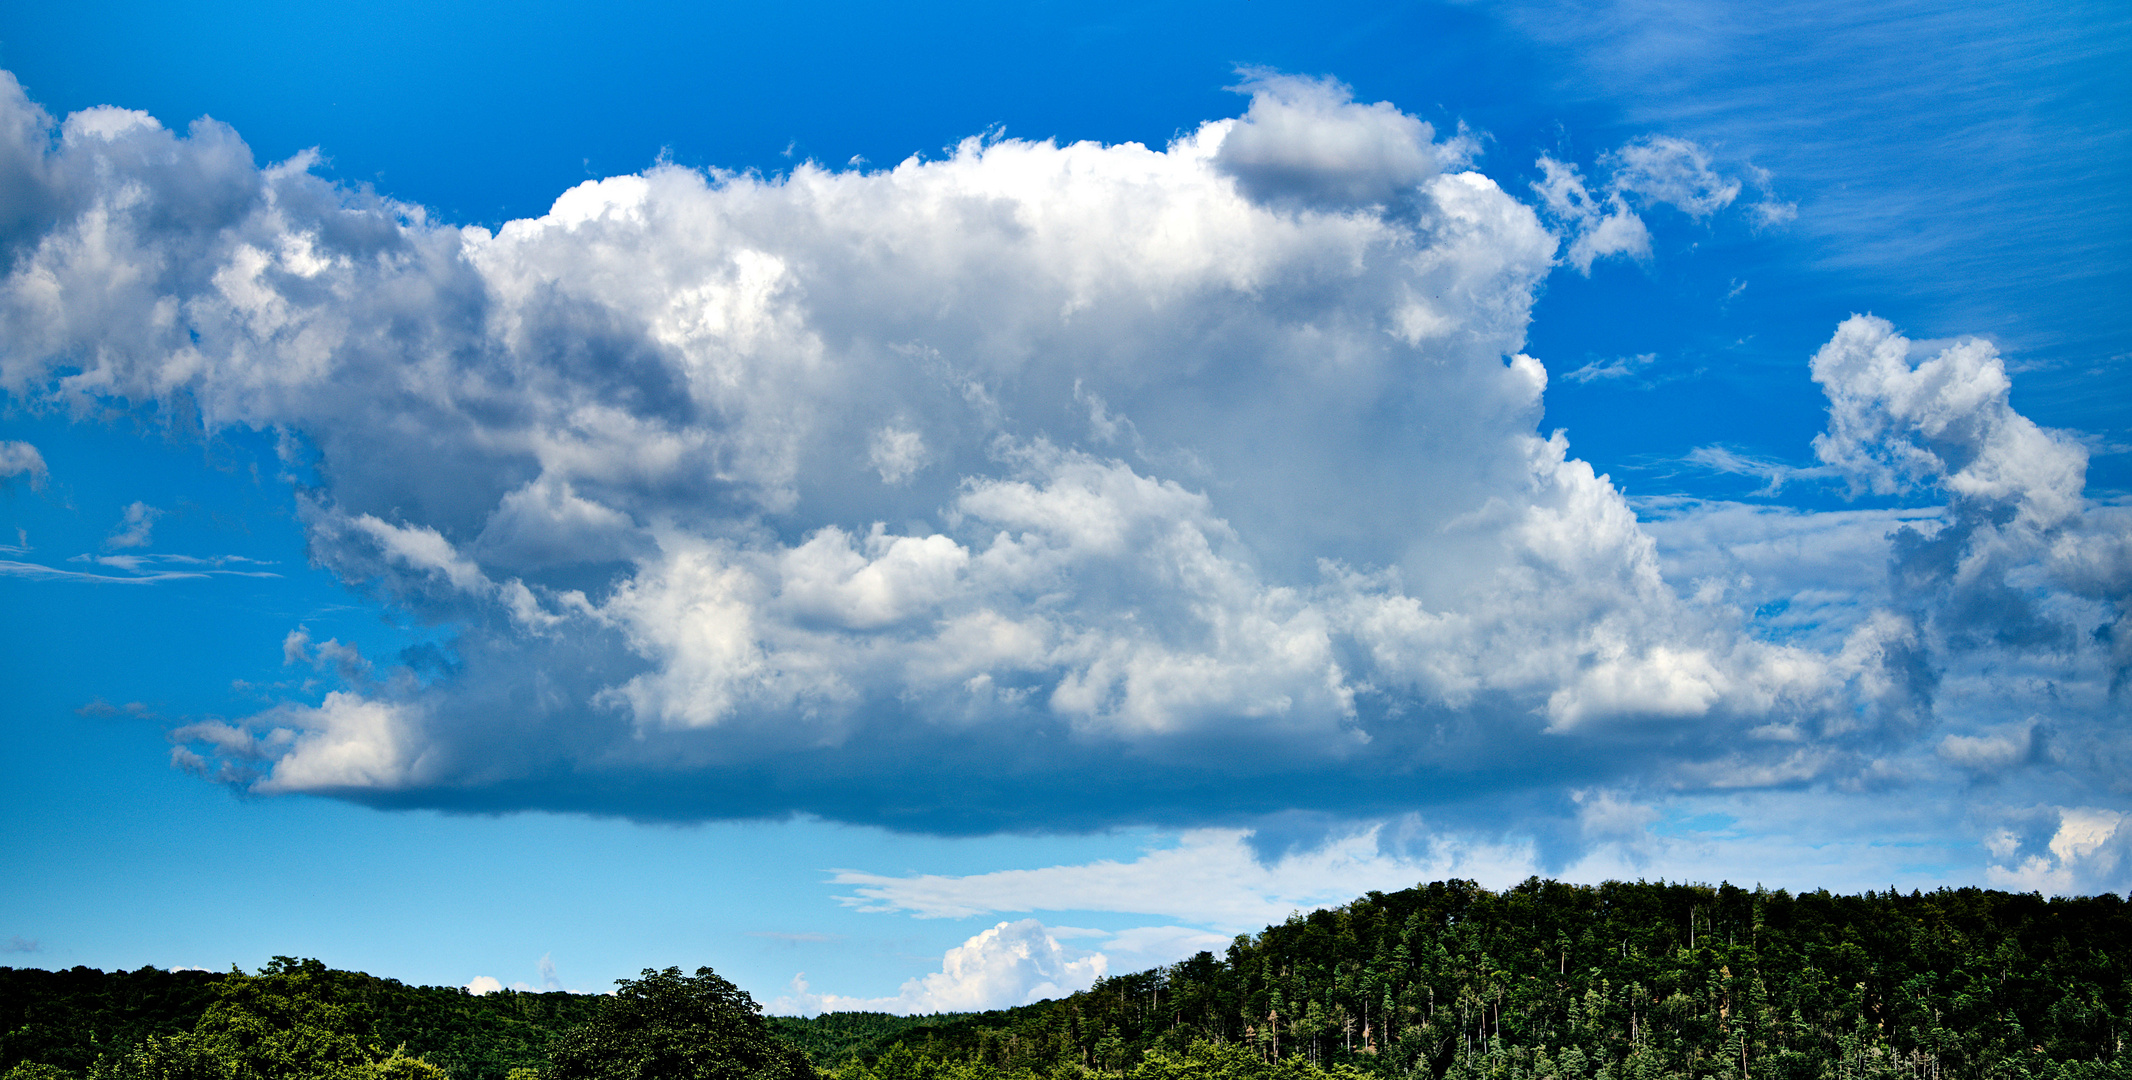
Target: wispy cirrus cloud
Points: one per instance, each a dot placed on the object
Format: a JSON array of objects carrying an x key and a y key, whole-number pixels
[{"x": 142, "y": 569}]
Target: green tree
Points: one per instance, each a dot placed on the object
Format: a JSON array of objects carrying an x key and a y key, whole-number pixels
[{"x": 670, "y": 1026}]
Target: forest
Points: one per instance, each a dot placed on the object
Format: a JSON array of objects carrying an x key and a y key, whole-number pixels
[{"x": 1445, "y": 981}]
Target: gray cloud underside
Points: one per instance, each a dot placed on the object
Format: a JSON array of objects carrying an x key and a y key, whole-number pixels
[{"x": 1041, "y": 487}]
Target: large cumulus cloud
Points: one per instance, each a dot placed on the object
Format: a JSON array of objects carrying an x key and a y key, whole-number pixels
[{"x": 1034, "y": 485}]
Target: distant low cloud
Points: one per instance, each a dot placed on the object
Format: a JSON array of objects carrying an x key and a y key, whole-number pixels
[
  {"x": 1013, "y": 963},
  {"x": 2060, "y": 850},
  {"x": 1213, "y": 877}
]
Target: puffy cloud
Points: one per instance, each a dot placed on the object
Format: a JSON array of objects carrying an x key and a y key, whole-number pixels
[
  {"x": 1654, "y": 170},
  {"x": 135, "y": 528},
  {"x": 484, "y": 984},
  {"x": 2061, "y": 850},
  {"x": 1896, "y": 420},
  {"x": 1304, "y": 141},
  {"x": 21, "y": 459},
  {"x": 1673, "y": 172},
  {"x": 1986, "y": 632},
  {"x": 1037, "y": 484},
  {"x": 1013, "y": 963},
  {"x": 1600, "y": 226}
]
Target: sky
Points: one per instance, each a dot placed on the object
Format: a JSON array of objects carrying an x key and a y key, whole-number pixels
[{"x": 920, "y": 508}]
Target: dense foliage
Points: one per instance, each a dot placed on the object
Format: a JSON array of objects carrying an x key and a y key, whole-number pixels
[
  {"x": 1449, "y": 981},
  {"x": 294, "y": 1019},
  {"x": 1549, "y": 981},
  {"x": 842, "y": 1038},
  {"x": 670, "y": 1026}
]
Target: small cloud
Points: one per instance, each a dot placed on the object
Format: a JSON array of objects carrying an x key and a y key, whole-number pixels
[
  {"x": 1599, "y": 226},
  {"x": 484, "y": 984},
  {"x": 1620, "y": 367},
  {"x": 22, "y": 459},
  {"x": 1103, "y": 425},
  {"x": 19, "y": 944},
  {"x": 100, "y": 707},
  {"x": 1992, "y": 751},
  {"x": 187, "y": 967},
  {"x": 1677, "y": 172},
  {"x": 1770, "y": 213},
  {"x": 1774, "y": 474},
  {"x": 896, "y": 453},
  {"x": 1607, "y": 815},
  {"x": 295, "y": 648},
  {"x": 547, "y": 972},
  {"x": 135, "y": 528}
]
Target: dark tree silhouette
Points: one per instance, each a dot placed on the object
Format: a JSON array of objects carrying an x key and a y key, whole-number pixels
[{"x": 670, "y": 1026}]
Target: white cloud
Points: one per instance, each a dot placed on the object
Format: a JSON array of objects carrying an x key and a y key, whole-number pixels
[
  {"x": 896, "y": 453},
  {"x": 136, "y": 526},
  {"x": 345, "y": 742},
  {"x": 1654, "y": 170},
  {"x": 1599, "y": 227},
  {"x": 143, "y": 569},
  {"x": 922, "y": 495},
  {"x": 1896, "y": 420},
  {"x": 484, "y": 984},
  {"x": 1143, "y": 947},
  {"x": 2077, "y": 851},
  {"x": 1619, "y": 367},
  {"x": 1305, "y": 141},
  {"x": 19, "y": 458},
  {"x": 1992, "y": 751},
  {"x": 1674, "y": 172},
  {"x": 1013, "y": 963},
  {"x": 1212, "y": 877},
  {"x": 1776, "y": 474}
]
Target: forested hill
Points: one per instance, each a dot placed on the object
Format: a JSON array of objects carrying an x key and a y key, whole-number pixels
[
  {"x": 1550, "y": 981},
  {"x": 73, "y": 1021},
  {"x": 1545, "y": 981}
]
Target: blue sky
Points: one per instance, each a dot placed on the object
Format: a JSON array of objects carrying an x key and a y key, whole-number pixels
[{"x": 918, "y": 508}]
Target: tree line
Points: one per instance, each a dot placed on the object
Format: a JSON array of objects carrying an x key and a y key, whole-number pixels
[{"x": 1446, "y": 981}]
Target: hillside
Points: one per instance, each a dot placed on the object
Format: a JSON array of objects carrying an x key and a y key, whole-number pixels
[
  {"x": 1614, "y": 982},
  {"x": 1448, "y": 981}
]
